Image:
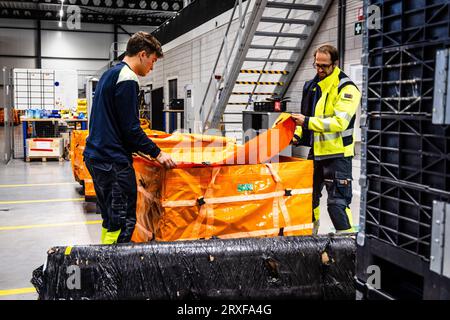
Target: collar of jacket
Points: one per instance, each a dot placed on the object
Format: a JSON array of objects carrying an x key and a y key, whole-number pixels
[{"x": 332, "y": 79}]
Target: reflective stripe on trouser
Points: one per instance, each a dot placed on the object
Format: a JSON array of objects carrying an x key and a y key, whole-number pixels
[
  {"x": 350, "y": 218},
  {"x": 336, "y": 175},
  {"x": 116, "y": 191},
  {"x": 111, "y": 237},
  {"x": 104, "y": 231},
  {"x": 316, "y": 213}
]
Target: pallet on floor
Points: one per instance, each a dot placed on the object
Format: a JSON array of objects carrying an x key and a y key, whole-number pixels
[
  {"x": 401, "y": 274},
  {"x": 44, "y": 159}
]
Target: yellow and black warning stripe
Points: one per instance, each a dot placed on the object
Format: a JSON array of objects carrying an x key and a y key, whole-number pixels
[
  {"x": 254, "y": 93},
  {"x": 265, "y": 71},
  {"x": 276, "y": 83}
]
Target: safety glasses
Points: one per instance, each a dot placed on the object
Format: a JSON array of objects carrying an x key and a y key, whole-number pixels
[{"x": 322, "y": 66}]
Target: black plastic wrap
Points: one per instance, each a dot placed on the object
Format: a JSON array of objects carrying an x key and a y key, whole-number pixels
[{"x": 250, "y": 268}]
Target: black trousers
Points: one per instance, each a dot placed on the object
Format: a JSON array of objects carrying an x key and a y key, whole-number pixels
[
  {"x": 116, "y": 190},
  {"x": 336, "y": 175}
]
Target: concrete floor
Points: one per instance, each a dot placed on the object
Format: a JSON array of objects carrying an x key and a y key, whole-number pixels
[{"x": 28, "y": 227}]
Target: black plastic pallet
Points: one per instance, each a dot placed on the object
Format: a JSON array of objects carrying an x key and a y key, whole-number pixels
[
  {"x": 409, "y": 148},
  {"x": 400, "y": 213},
  {"x": 401, "y": 79},
  {"x": 414, "y": 21},
  {"x": 403, "y": 275},
  {"x": 405, "y": 158}
]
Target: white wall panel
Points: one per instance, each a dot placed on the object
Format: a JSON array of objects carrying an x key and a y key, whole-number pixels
[
  {"x": 59, "y": 64},
  {"x": 84, "y": 68},
  {"x": 17, "y": 42},
  {"x": 75, "y": 44}
]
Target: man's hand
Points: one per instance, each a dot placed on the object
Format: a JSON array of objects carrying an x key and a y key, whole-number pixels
[
  {"x": 164, "y": 159},
  {"x": 299, "y": 119}
]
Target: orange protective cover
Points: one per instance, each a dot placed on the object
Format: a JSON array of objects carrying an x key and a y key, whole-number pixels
[
  {"x": 247, "y": 190},
  {"x": 198, "y": 201},
  {"x": 80, "y": 172}
]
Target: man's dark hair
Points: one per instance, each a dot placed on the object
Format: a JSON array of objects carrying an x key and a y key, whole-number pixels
[
  {"x": 332, "y": 51},
  {"x": 143, "y": 41}
]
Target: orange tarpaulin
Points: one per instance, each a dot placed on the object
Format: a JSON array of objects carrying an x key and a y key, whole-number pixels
[
  {"x": 189, "y": 150},
  {"x": 230, "y": 193},
  {"x": 220, "y": 188},
  {"x": 80, "y": 172},
  {"x": 226, "y": 201}
]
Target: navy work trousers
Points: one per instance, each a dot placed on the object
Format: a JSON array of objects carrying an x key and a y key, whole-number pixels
[{"x": 116, "y": 190}]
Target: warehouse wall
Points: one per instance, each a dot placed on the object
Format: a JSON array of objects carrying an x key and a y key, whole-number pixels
[
  {"x": 191, "y": 57},
  {"x": 86, "y": 50},
  {"x": 16, "y": 42}
]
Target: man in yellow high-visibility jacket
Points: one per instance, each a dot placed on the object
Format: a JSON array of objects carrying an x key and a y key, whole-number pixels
[{"x": 326, "y": 124}]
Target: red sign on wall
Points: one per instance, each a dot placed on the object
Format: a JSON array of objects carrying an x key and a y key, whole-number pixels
[{"x": 360, "y": 14}]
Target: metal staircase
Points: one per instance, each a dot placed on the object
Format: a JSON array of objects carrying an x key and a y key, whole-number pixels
[{"x": 268, "y": 47}]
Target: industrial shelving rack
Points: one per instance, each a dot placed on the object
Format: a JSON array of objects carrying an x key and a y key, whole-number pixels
[{"x": 405, "y": 166}]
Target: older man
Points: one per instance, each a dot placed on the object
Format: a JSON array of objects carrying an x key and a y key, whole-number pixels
[{"x": 326, "y": 124}]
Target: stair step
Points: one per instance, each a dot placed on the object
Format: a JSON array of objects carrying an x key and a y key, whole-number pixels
[
  {"x": 265, "y": 71},
  {"x": 255, "y": 46},
  {"x": 269, "y": 60},
  {"x": 281, "y": 34},
  {"x": 288, "y": 21},
  {"x": 295, "y": 6},
  {"x": 254, "y": 93},
  {"x": 267, "y": 83}
]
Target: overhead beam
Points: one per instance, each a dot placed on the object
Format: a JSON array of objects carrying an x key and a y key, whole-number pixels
[
  {"x": 144, "y": 5},
  {"x": 85, "y": 17}
]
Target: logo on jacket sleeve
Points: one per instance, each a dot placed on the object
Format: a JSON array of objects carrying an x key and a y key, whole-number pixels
[{"x": 348, "y": 96}]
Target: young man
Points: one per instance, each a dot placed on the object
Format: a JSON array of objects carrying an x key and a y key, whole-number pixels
[
  {"x": 326, "y": 124},
  {"x": 115, "y": 132}
]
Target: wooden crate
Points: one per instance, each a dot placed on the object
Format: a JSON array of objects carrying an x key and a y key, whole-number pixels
[{"x": 45, "y": 148}]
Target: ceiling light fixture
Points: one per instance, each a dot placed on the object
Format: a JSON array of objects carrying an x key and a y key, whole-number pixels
[{"x": 61, "y": 14}]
